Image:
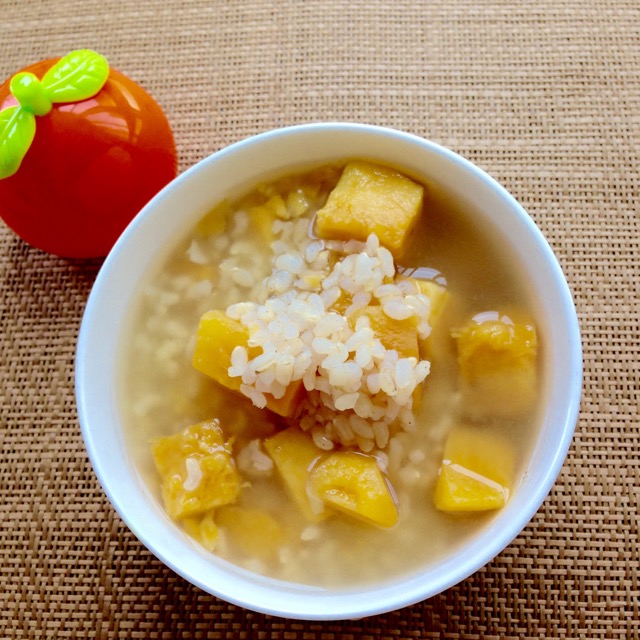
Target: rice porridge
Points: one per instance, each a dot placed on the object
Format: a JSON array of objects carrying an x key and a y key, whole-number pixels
[{"x": 332, "y": 379}]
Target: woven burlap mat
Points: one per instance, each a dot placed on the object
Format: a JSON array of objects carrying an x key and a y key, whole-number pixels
[{"x": 543, "y": 95}]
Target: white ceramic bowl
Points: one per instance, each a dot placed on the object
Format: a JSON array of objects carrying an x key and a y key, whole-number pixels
[{"x": 230, "y": 171}]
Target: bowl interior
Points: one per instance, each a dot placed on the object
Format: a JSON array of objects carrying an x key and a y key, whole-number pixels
[{"x": 227, "y": 174}]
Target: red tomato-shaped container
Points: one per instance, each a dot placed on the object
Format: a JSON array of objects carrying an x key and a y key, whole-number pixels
[{"x": 91, "y": 167}]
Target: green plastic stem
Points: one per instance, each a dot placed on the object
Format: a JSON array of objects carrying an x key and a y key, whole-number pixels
[{"x": 29, "y": 92}]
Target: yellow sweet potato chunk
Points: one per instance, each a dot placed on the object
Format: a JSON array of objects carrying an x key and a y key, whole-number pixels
[
  {"x": 196, "y": 469},
  {"x": 254, "y": 532},
  {"x": 294, "y": 453},
  {"x": 215, "y": 222},
  {"x": 438, "y": 296},
  {"x": 261, "y": 222},
  {"x": 278, "y": 206},
  {"x": 401, "y": 335},
  {"x": 203, "y": 529},
  {"x": 460, "y": 489},
  {"x": 354, "y": 484},
  {"x": 497, "y": 360},
  {"x": 371, "y": 199},
  {"x": 217, "y": 337},
  {"x": 476, "y": 471}
]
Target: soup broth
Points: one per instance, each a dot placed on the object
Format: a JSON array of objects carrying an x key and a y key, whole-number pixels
[{"x": 228, "y": 259}]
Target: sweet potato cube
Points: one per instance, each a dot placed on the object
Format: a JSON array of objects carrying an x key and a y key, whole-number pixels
[
  {"x": 254, "y": 532},
  {"x": 214, "y": 223},
  {"x": 476, "y": 471},
  {"x": 497, "y": 360},
  {"x": 354, "y": 484},
  {"x": 371, "y": 199},
  {"x": 217, "y": 337},
  {"x": 203, "y": 529},
  {"x": 197, "y": 470},
  {"x": 401, "y": 335},
  {"x": 294, "y": 453},
  {"x": 261, "y": 222},
  {"x": 438, "y": 297}
]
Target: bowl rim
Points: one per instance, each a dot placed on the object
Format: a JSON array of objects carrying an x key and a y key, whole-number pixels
[{"x": 266, "y": 595}]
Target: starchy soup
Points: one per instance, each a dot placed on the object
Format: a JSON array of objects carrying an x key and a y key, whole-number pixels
[{"x": 333, "y": 379}]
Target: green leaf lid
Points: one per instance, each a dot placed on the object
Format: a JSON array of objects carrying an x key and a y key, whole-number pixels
[{"x": 78, "y": 76}]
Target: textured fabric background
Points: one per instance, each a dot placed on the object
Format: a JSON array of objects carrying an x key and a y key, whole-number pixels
[{"x": 543, "y": 95}]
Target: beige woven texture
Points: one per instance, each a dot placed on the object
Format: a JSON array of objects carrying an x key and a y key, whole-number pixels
[{"x": 543, "y": 95}]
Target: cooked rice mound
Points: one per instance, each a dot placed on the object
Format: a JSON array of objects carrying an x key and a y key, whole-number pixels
[{"x": 358, "y": 393}]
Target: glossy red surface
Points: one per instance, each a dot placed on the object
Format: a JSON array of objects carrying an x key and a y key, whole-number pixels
[{"x": 92, "y": 166}]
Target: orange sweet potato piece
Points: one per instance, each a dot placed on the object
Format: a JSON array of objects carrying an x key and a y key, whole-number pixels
[{"x": 217, "y": 337}]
